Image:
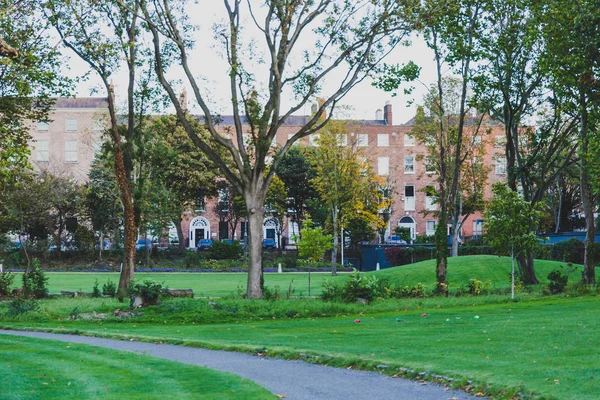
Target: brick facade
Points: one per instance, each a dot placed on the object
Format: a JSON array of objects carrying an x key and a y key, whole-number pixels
[{"x": 390, "y": 149}]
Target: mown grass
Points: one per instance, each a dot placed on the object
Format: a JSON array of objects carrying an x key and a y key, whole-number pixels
[
  {"x": 460, "y": 271},
  {"x": 537, "y": 345},
  {"x": 48, "y": 369}
]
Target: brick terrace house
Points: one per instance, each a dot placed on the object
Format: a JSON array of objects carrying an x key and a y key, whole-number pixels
[{"x": 68, "y": 143}]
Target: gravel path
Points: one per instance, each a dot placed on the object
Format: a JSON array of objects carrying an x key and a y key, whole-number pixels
[{"x": 294, "y": 379}]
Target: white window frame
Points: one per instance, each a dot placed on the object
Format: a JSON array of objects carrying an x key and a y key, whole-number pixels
[
  {"x": 71, "y": 151},
  {"x": 409, "y": 201},
  {"x": 342, "y": 139},
  {"x": 383, "y": 140},
  {"x": 409, "y": 164},
  {"x": 499, "y": 141},
  {"x": 430, "y": 226},
  {"x": 42, "y": 152},
  {"x": 477, "y": 140},
  {"x": 98, "y": 125},
  {"x": 383, "y": 166},
  {"x": 42, "y": 126},
  {"x": 362, "y": 140},
  {"x": 71, "y": 125},
  {"x": 429, "y": 167},
  {"x": 430, "y": 204},
  {"x": 409, "y": 140},
  {"x": 478, "y": 227},
  {"x": 500, "y": 165}
]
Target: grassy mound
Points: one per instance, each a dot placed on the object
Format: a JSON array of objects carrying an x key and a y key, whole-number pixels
[{"x": 482, "y": 267}]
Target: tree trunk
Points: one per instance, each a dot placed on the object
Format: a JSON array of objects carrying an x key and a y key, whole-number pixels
[
  {"x": 255, "y": 208},
  {"x": 526, "y": 268},
  {"x": 334, "y": 251},
  {"x": 441, "y": 250},
  {"x": 177, "y": 224},
  {"x": 588, "y": 276}
]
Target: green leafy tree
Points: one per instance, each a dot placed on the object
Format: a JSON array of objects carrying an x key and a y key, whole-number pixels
[
  {"x": 345, "y": 183},
  {"x": 350, "y": 39},
  {"x": 276, "y": 205},
  {"x": 312, "y": 244},
  {"x": 508, "y": 222},
  {"x": 30, "y": 76}
]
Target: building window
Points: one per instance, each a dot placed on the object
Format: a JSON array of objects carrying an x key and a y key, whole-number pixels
[
  {"x": 430, "y": 228},
  {"x": 430, "y": 204},
  {"x": 383, "y": 140},
  {"x": 243, "y": 230},
  {"x": 42, "y": 126},
  {"x": 409, "y": 140},
  {"x": 409, "y": 164},
  {"x": 41, "y": 151},
  {"x": 499, "y": 141},
  {"x": 71, "y": 151},
  {"x": 430, "y": 168},
  {"x": 478, "y": 227},
  {"x": 383, "y": 165},
  {"x": 477, "y": 140},
  {"x": 223, "y": 201},
  {"x": 71, "y": 125},
  {"x": 314, "y": 139},
  {"x": 500, "y": 165},
  {"x": 200, "y": 202},
  {"x": 342, "y": 139},
  {"x": 409, "y": 198},
  {"x": 362, "y": 140}
]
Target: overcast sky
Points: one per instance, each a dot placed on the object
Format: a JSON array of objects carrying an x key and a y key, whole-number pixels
[{"x": 364, "y": 99}]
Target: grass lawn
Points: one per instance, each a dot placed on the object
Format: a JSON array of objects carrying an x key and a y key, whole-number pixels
[
  {"x": 211, "y": 284},
  {"x": 460, "y": 271},
  {"x": 48, "y": 369},
  {"x": 541, "y": 345}
]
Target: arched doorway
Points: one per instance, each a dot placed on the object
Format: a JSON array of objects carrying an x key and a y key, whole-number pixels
[
  {"x": 272, "y": 230},
  {"x": 408, "y": 222},
  {"x": 199, "y": 229}
]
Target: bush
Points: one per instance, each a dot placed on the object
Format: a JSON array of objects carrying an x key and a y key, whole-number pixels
[
  {"x": 476, "y": 287},
  {"x": 6, "y": 279},
  {"x": 21, "y": 306},
  {"x": 109, "y": 288},
  {"x": 96, "y": 290},
  {"x": 558, "y": 282},
  {"x": 149, "y": 292},
  {"x": 225, "y": 251},
  {"x": 35, "y": 282},
  {"x": 272, "y": 294}
]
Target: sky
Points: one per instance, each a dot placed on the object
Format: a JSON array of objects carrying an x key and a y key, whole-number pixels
[{"x": 209, "y": 66}]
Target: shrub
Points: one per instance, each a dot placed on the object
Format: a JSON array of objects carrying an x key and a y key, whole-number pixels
[
  {"x": 96, "y": 290},
  {"x": 272, "y": 294},
  {"x": 35, "y": 282},
  {"x": 21, "y": 306},
  {"x": 109, "y": 288},
  {"x": 558, "y": 281},
  {"x": 225, "y": 251},
  {"x": 149, "y": 292},
  {"x": 476, "y": 287},
  {"x": 6, "y": 279}
]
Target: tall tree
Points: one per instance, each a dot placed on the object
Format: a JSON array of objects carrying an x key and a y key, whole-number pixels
[
  {"x": 345, "y": 183},
  {"x": 348, "y": 40},
  {"x": 571, "y": 35},
  {"x": 107, "y": 35}
]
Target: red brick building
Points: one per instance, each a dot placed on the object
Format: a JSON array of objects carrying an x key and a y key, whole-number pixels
[{"x": 68, "y": 143}]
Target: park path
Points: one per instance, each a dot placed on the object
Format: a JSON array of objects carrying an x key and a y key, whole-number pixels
[{"x": 296, "y": 380}]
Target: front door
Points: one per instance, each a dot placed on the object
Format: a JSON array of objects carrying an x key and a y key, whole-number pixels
[{"x": 198, "y": 235}]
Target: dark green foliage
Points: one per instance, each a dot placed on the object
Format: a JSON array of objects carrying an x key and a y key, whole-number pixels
[
  {"x": 272, "y": 294},
  {"x": 403, "y": 232},
  {"x": 148, "y": 290},
  {"x": 225, "y": 251},
  {"x": 109, "y": 288},
  {"x": 21, "y": 306},
  {"x": 6, "y": 279},
  {"x": 475, "y": 287},
  {"x": 558, "y": 281},
  {"x": 96, "y": 290},
  {"x": 35, "y": 282}
]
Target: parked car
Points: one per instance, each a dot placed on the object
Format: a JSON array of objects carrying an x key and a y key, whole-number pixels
[
  {"x": 204, "y": 244},
  {"x": 141, "y": 244},
  {"x": 269, "y": 244}
]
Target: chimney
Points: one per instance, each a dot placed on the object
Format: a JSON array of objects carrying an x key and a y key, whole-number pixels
[
  {"x": 379, "y": 115},
  {"x": 387, "y": 113},
  {"x": 183, "y": 100}
]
